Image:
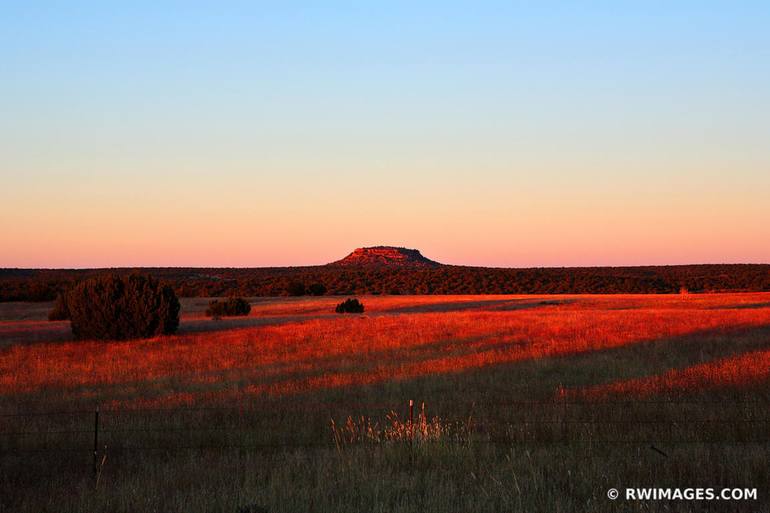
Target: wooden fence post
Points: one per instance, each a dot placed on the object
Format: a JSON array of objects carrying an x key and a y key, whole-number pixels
[
  {"x": 411, "y": 420},
  {"x": 96, "y": 439}
]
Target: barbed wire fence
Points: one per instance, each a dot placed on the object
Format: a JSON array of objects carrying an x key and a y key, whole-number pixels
[{"x": 489, "y": 427}]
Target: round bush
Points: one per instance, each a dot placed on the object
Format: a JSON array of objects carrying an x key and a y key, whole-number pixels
[
  {"x": 59, "y": 312},
  {"x": 233, "y": 306},
  {"x": 112, "y": 307},
  {"x": 350, "y": 306}
]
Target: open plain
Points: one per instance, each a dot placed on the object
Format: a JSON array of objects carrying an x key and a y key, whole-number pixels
[{"x": 521, "y": 403}]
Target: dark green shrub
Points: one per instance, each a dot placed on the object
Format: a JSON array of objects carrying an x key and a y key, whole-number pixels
[
  {"x": 350, "y": 306},
  {"x": 296, "y": 288},
  {"x": 316, "y": 289},
  {"x": 112, "y": 307},
  {"x": 59, "y": 312},
  {"x": 230, "y": 307}
]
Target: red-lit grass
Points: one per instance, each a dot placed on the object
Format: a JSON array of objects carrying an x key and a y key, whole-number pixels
[
  {"x": 380, "y": 346},
  {"x": 744, "y": 370},
  {"x": 487, "y": 367}
]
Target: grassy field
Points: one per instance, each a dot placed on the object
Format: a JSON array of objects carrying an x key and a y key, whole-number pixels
[{"x": 532, "y": 403}]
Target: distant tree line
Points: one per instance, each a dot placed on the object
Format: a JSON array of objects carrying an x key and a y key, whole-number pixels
[{"x": 44, "y": 285}]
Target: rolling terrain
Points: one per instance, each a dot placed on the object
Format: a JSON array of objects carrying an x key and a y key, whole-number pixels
[{"x": 528, "y": 401}]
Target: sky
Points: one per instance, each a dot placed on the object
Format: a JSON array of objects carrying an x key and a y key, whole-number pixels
[{"x": 512, "y": 134}]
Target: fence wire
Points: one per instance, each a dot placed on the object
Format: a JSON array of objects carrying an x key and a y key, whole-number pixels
[{"x": 484, "y": 425}]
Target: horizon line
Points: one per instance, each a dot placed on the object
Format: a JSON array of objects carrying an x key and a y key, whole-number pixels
[{"x": 596, "y": 266}]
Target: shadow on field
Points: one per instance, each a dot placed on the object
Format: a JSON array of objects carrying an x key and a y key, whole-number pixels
[
  {"x": 204, "y": 324},
  {"x": 33, "y": 332},
  {"x": 279, "y": 373},
  {"x": 535, "y": 304},
  {"x": 465, "y": 375},
  {"x": 539, "y": 378},
  {"x": 274, "y": 440},
  {"x": 741, "y": 306},
  {"x": 41, "y": 331},
  {"x": 532, "y": 379},
  {"x": 493, "y": 364},
  {"x": 491, "y": 304}
]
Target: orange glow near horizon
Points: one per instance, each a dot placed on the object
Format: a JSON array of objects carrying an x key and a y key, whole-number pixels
[{"x": 455, "y": 222}]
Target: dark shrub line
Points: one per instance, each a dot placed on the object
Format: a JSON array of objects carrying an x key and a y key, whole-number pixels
[{"x": 232, "y": 306}]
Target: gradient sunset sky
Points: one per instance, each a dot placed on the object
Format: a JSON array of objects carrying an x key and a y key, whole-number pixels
[{"x": 289, "y": 133}]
